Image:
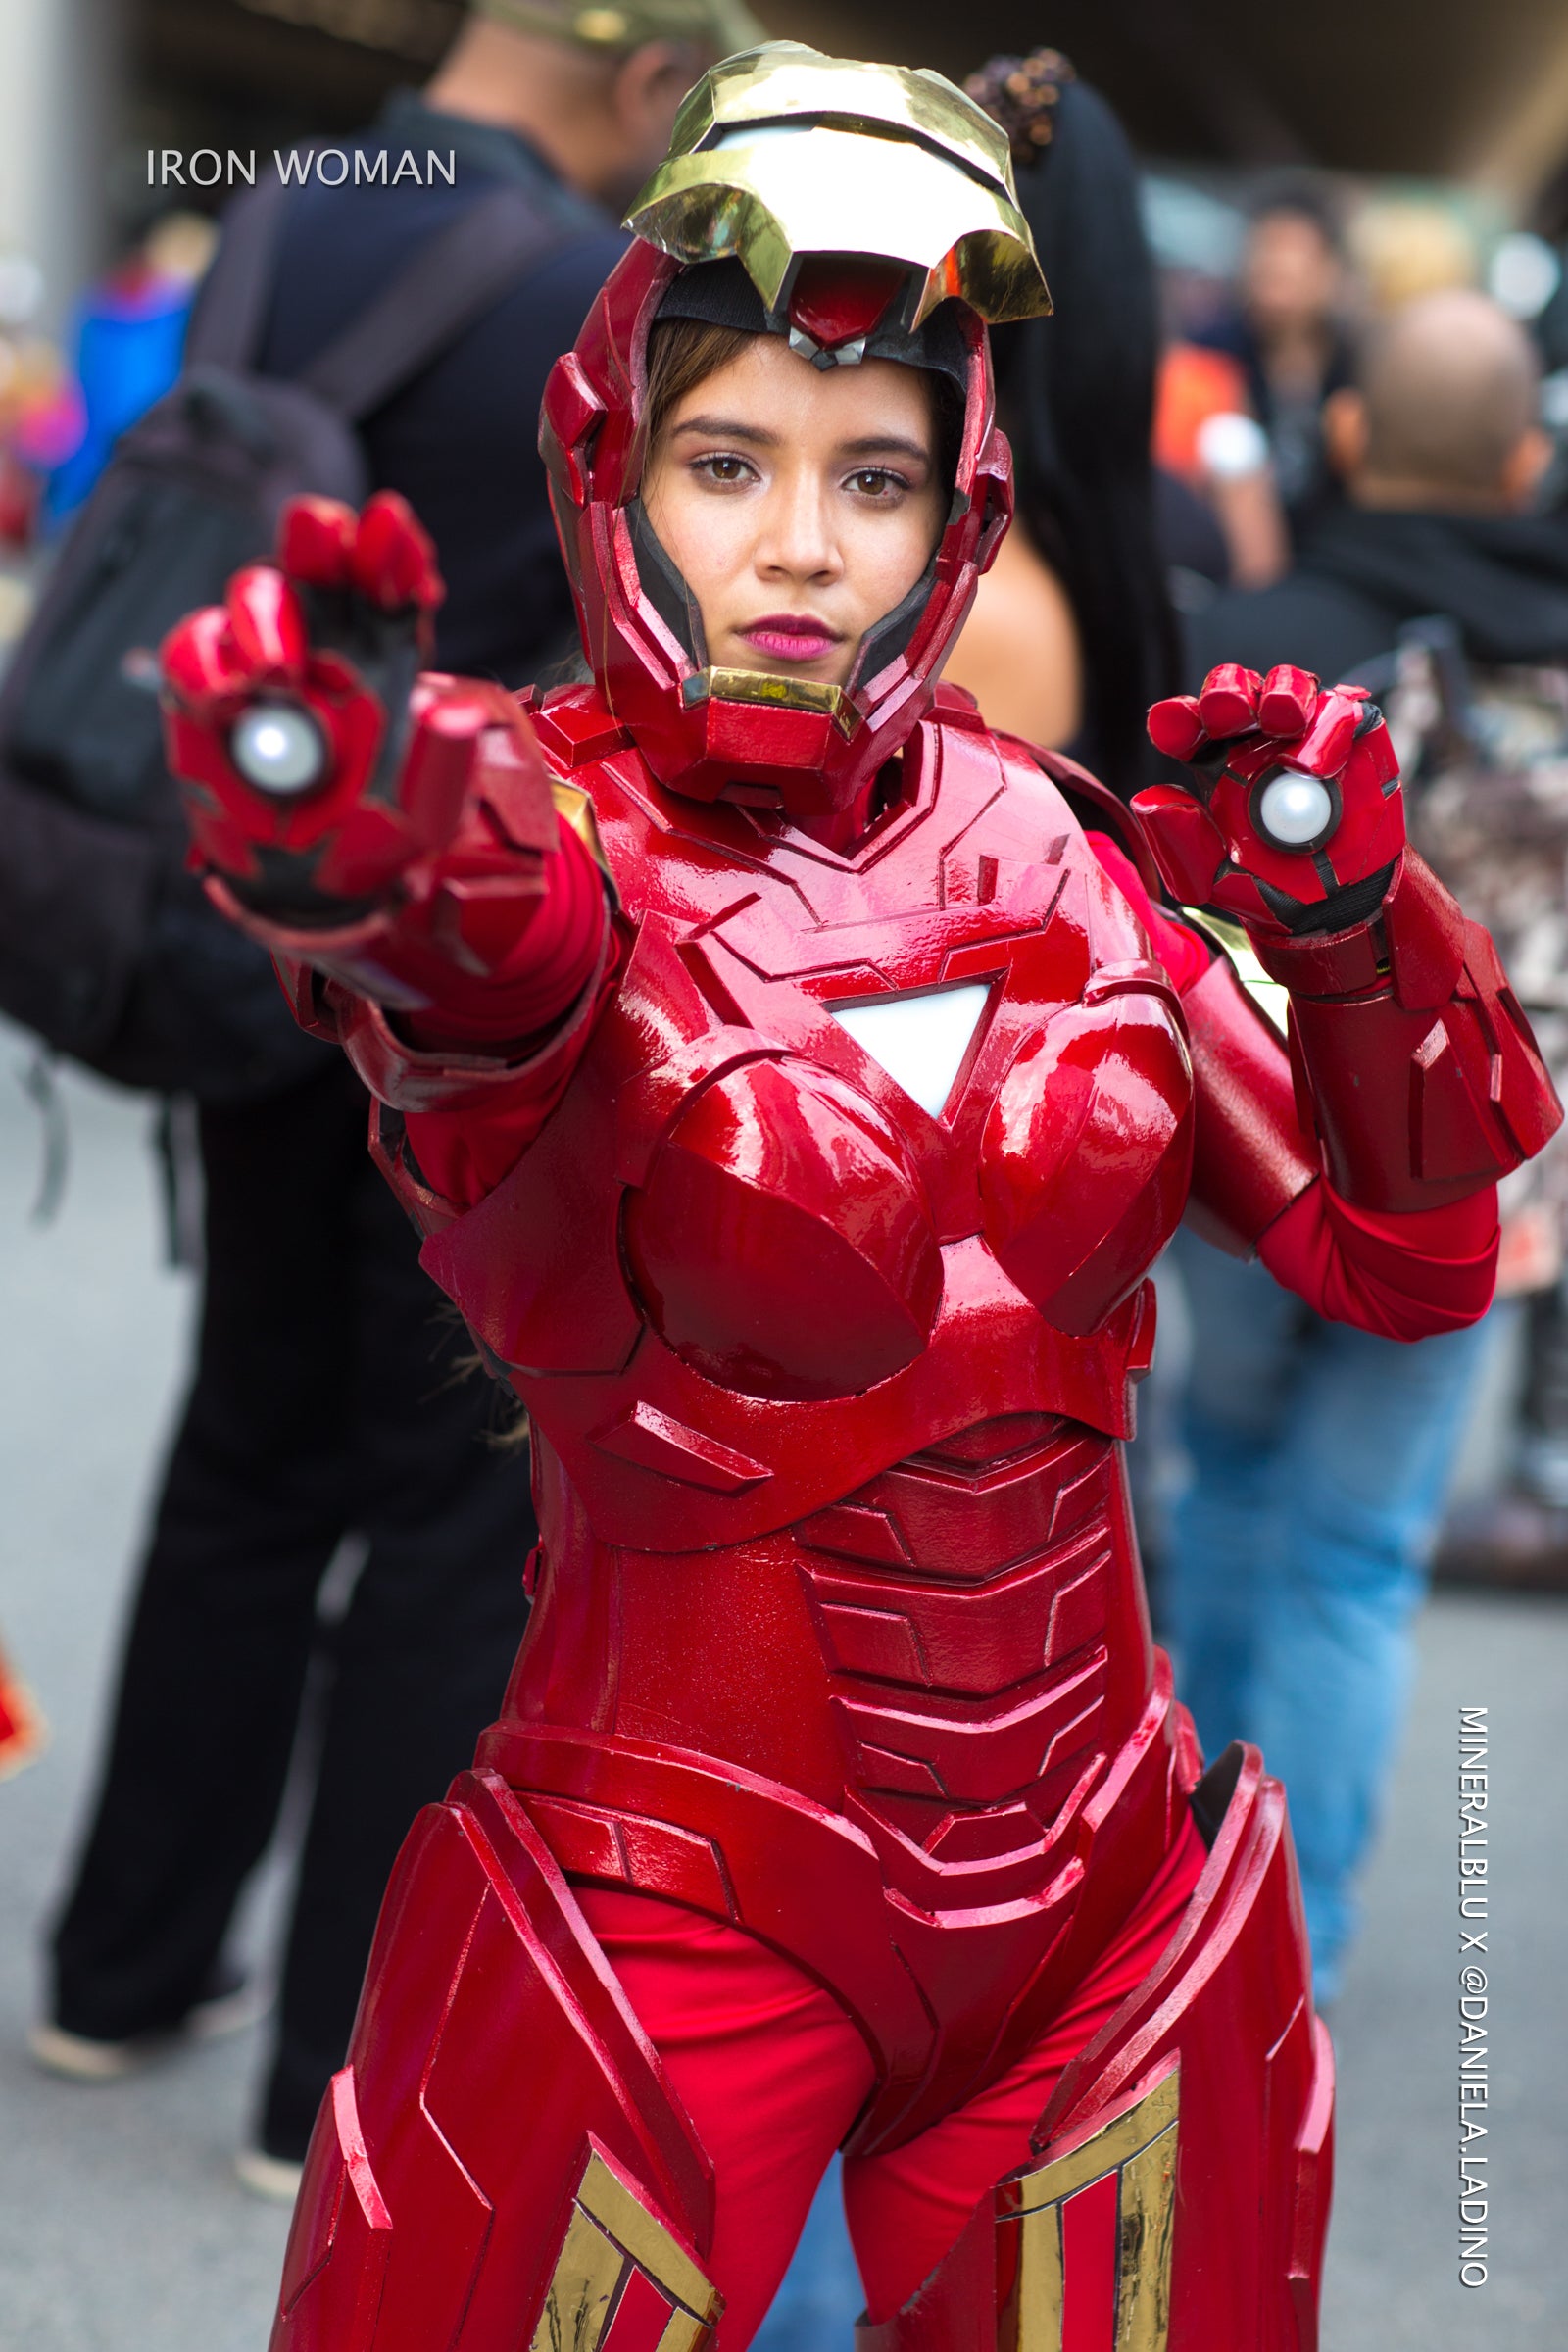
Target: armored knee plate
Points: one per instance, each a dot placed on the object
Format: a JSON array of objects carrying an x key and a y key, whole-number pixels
[
  {"x": 501, "y": 2163},
  {"x": 1178, "y": 2198}
]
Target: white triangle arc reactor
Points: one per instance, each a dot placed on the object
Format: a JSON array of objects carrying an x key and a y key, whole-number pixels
[{"x": 920, "y": 1040}]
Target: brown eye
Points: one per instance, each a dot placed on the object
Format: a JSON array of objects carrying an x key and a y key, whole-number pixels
[{"x": 723, "y": 469}]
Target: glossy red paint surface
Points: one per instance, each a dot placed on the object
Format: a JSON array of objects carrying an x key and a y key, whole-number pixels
[
  {"x": 1227, "y": 2008},
  {"x": 1242, "y": 729},
  {"x": 745, "y": 1271},
  {"x": 1415, "y": 1067},
  {"x": 840, "y": 1634},
  {"x": 736, "y": 1208}
]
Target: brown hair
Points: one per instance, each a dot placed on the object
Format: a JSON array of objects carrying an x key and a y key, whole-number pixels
[{"x": 683, "y": 353}]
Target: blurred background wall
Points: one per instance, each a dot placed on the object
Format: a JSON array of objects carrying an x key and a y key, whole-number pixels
[
  {"x": 1438, "y": 113},
  {"x": 1379, "y": 87},
  {"x": 1365, "y": 87}
]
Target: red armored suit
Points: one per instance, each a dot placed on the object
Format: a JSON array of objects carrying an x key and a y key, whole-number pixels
[{"x": 794, "y": 1099}]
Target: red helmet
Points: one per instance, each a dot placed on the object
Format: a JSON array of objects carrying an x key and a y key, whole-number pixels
[{"x": 773, "y": 154}]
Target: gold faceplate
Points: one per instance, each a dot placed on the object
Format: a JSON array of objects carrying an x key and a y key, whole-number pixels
[
  {"x": 778, "y": 693},
  {"x": 785, "y": 81},
  {"x": 1139, "y": 2145},
  {"x": 784, "y": 152}
]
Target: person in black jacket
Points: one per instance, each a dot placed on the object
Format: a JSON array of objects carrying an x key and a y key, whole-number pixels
[
  {"x": 329, "y": 1404},
  {"x": 1440, "y": 452},
  {"x": 1296, "y": 1560},
  {"x": 1073, "y": 634}
]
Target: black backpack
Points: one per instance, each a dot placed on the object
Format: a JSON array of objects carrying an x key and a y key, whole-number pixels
[{"x": 108, "y": 949}]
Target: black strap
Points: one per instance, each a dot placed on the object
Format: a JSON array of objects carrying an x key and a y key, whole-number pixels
[
  {"x": 226, "y": 328},
  {"x": 454, "y": 277},
  {"x": 452, "y": 280}
]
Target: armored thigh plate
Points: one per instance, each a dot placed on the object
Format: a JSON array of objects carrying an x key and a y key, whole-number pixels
[
  {"x": 501, "y": 2163},
  {"x": 1178, "y": 2195}
]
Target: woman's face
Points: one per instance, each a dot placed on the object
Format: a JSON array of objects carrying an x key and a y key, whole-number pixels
[{"x": 799, "y": 504}]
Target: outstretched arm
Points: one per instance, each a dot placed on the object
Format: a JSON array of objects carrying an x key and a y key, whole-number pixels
[{"x": 391, "y": 835}]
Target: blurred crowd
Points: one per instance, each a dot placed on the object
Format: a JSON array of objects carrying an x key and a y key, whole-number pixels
[{"x": 1272, "y": 419}]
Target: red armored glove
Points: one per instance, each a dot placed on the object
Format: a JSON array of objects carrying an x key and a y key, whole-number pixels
[
  {"x": 319, "y": 764},
  {"x": 1295, "y": 820},
  {"x": 393, "y": 831},
  {"x": 1414, "y": 1067}
]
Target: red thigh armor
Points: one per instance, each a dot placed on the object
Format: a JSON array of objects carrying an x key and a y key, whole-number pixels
[{"x": 1209, "y": 2093}]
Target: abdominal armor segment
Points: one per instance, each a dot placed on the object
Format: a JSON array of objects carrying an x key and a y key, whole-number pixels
[{"x": 971, "y": 1767}]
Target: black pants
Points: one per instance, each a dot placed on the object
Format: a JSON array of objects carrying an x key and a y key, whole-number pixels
[{"x": 328, "y": 1398}]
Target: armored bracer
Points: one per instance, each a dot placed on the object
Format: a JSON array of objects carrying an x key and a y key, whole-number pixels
[{"x": 1413, "y": 1062}]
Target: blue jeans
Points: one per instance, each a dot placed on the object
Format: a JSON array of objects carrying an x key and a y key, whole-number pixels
[
  {"x": 1296, "y": 1556},
  {"x": 816, "y": 2307}
]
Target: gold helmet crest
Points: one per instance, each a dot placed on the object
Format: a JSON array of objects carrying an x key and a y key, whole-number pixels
[{"x": 781, "y": 154}]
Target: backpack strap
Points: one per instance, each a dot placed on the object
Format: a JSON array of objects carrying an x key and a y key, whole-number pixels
[
  {"x": 454, "y": 277},
  {"x": 226, "y": 328}
]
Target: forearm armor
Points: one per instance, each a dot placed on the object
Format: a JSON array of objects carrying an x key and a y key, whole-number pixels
[
  {"x": 1414, "y": 1067},
  {"x": 490, "y": 932}
]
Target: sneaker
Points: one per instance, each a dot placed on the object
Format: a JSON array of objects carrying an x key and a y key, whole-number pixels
[
  {"x": 233, "y": 2003},
  {"x": 82, "y": 2059},
  {"x": 274, "y": 2177}
]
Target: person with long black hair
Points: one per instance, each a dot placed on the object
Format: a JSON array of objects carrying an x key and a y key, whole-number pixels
[{"x": 1072, "y": 635}]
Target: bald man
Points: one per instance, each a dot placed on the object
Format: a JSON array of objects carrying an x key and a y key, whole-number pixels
[
  {"x": 1296, "y": 1560},
  {"x": 1438, "y": 449}
]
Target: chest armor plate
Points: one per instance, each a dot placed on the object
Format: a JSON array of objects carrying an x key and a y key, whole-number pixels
[{"x": 864, "y": 1149}]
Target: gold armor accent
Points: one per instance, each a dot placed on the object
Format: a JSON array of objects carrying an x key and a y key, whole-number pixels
[
  {"x": 762, "y": 686},
  {"x": 610, "y": 2237},
  {"x": 783, "y": 152},
  {"x": 575, "y": 809},
  {"x": 1271, "y": 996},
  {"x": 1139, "y": 2147}
]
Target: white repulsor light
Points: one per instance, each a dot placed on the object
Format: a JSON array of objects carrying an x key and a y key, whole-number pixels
[
  {"x": 279, "y": 749},
  {"x": 1294, "y": 811}
]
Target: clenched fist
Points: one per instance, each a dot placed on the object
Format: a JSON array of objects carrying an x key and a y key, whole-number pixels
[
  {"x": 319, "y": 765},
  {"x": 1295, "y": 820}
]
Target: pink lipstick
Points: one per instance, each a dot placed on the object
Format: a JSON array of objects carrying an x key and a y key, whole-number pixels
[{"x": 791, "y": 637}]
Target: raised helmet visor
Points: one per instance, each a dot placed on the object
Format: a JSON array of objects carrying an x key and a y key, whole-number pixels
[{"x": 769, "y": 162}]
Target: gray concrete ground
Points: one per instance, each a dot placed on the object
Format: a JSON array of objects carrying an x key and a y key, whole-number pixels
[{"x": 122, "y": 2228}]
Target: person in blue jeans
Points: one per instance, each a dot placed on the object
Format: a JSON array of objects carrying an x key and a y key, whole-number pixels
[
  {"x": 1320, "y": 1457},
  {"x": 1296, "y": 1558}
]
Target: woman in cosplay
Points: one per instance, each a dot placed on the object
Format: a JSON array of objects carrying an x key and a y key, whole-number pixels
[{"x": 794, "y": 1097}]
